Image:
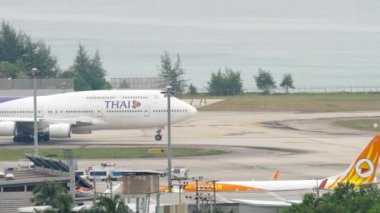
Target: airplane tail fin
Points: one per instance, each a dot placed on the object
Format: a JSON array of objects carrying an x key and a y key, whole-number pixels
[
  {"x": 361, "y": 171},
  {"x": 276, "y": 174}
]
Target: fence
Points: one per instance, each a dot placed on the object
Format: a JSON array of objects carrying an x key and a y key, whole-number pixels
[
  {"x": 24, "y": 87},
  {"x": 26, "y": 84},
  {"x": 139, "y": 83},
  {"x": 297, "y": 90}
]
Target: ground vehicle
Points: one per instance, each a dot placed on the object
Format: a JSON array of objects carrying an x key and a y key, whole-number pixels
[
  {"x": 102, "y": 172},
  {"x": 180, "y": 172},
  {"x": 25, "y": 164},
  {"x": 10, "y": 169}
]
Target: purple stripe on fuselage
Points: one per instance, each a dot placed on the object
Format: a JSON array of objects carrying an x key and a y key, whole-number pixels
[{"x": 8, "y": 98}]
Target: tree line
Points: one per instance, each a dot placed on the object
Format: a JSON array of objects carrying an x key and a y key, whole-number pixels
[
  {"x": 19, "y": 54},
  {"x": 345, "y": 199},
  {"x": 222, "y": 83},
  {"x": 55, "y": 195}
]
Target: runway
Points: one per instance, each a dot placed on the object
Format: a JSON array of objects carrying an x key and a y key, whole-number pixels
[{"x": 300, "y": 145}]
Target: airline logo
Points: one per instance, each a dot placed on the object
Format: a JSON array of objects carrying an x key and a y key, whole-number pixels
[
  {"x": 136, "y": 104},
  {"x": 364, "y": 168},
  {"x": 122, "y": 104}
]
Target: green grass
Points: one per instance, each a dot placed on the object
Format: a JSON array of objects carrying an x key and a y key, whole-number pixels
[
  {"x": 298, "y": 102},
  {"x": 106, "y": 153},
  {"x": 362, "y": 124}
]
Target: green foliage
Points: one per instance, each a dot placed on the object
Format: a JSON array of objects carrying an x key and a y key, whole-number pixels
[
  {"x": 192, "y": 90},
  {"x": 53, "y": 194},
  {"x": 360, "y": 124},
  {"x": 227, "y": 83},
  {"x": 344, "y": 199},
  {"x": 79, "y": 83},
  {"x": 264, "y": 81},
  {"x": 88, "y": 73},
  {"x": 107, "y": 85},
  {"x": 9, "y": 70},
  {"x": 124, "y": 85},
  {"x": 19, "y": 54},
  {"x": 287, "y": 82},
  {"x": 216, "y": 210},
  {"x": 112, "y": 205},
  {"x": 12, "y": 44},
  {"x": 38, "y": 55},
  {"x": 173, "y": 72}
]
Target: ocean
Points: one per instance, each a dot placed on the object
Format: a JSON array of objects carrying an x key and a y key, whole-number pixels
[{"x": 319, "y": 42}]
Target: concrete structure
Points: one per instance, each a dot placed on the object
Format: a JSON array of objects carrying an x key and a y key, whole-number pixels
[
  {"x": 24, "y": 87},
  {"x": 17, "y": 192},
  {"x": 141, "y": 186}
]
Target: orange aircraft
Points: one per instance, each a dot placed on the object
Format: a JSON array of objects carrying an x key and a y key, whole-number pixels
[{"x": 361, "y": 171}]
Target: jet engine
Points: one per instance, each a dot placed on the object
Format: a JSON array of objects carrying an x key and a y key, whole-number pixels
[
  {"x": 59, "y": 130},
  {"x": 7, "y": 128}
]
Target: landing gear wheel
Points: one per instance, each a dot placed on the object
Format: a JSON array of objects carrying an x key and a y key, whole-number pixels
[
  {"x": 23, "y": 138},
  {"x": 158, "y": 137},
  {"x": 43, "y": 137}
]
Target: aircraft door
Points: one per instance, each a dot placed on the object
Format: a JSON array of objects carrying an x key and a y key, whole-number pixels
[
  {"x": 99, "y": 112},
  {"x": 40, "y": 112},
  {"x": 146, "y": 111}
]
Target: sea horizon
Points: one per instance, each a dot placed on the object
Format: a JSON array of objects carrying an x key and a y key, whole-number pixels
[{"x": 321, "y": 43}]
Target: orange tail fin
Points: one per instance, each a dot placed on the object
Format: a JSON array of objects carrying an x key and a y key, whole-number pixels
[
  {"x": 361, "y": 171},
  {"x": 276, "y": 174}
]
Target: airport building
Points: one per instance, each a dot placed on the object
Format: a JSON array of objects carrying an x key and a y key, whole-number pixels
[{"x": 16, "y": 187}]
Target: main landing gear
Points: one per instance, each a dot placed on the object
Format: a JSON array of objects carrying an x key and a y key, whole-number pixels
[
  {"x": 158, "y": 135},
  {"x": 26, "y": 137}
]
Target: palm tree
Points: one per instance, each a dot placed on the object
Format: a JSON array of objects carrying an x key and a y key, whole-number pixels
[
  {"x": 64, "y": 203},
  {"x": 53, "y": 194},
  {"x": 46, "y": 193},
  {"x": 112, "y": 205}
]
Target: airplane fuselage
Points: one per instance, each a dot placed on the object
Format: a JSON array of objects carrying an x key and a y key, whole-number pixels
[{"x": 96, "y": 110}]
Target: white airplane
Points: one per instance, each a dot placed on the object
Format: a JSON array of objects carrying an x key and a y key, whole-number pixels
[
  {"x": 361, "y": 172},
  {"x": 60, "y": 115}
]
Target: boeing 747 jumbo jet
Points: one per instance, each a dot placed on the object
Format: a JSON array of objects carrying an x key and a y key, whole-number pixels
[
  {"x": 361, "y": 172},
  {"x": 61, "y": 115}
]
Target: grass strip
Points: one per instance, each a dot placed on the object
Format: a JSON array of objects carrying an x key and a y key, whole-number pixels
[
  {"x": 298, "y": 102},
  {"x": 360, "y": 124},
  {"x": 106, "y": 153}
]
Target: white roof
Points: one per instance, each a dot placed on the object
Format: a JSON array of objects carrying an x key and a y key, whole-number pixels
[
  {"x": 31, "y": 209},
  {"x": 271, "y": 203}
]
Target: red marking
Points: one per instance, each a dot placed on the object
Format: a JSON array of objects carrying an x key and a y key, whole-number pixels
[
  {"x": 323, "y": 184},
  {"x": 364, "y": 170}
]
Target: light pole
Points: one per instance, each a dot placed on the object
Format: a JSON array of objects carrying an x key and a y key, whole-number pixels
[
  {"x": 197, "y": 196},
  {"x": 170, "y": 186},
  {"x": 34, "y": 72}
]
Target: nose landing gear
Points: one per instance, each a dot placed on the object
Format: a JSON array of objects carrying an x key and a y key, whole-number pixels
[{"x": 158, "y": 136}]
